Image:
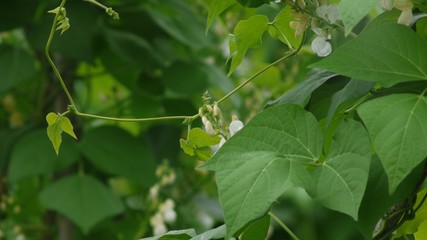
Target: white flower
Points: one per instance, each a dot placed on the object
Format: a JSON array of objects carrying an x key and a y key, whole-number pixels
[
  {"x": 215, "y": 148},
  {"x": 154, "y": 191},
  {"x": 329, "y": 13},
  {"x": 405, "y": 17},
  {"x": 216, "y": 111},
  {"x": 169, "y": 216},
  {"x": 321, "y": 46},
  {"x": 235, "y": 126},
  {"x": 403, "y": 5}
]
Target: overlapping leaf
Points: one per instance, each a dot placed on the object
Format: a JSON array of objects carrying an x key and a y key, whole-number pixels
[
  {"x": 56, "y": 125},
  {"x": 397, "y": 126},
  {"x": 353, "y": 11},
  {"x": 174, "y": 235},
  {"x": 216, "y": 8},
  {"x": 378, "y": 55},
  {"x": 281, "y": 29},
  {"x": 262, "y": 160}
]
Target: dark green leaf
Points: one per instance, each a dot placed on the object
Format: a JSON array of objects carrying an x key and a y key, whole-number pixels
[
  {"x": 396, "y": 124},
  {"x": 373, "y": 56},
  {"x": 179, "y": 20},
  {"x": 16, "y": 66},
  {"x": 301, "y": 93},
  {"x": 34, "y": 155},
  {"x": 115, "y": 151},
  {"x": 253, "y": 3},
  {"x": 257, "y": 229},
  {"x": 82, "y": 199}
]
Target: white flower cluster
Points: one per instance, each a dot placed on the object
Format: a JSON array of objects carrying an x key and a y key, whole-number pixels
[
  {"x": 321, "y": 44},
  {"x": 406, "y": 16},
  {"x": 165, "y": 214},
  {"x": 214, "y": 126}
]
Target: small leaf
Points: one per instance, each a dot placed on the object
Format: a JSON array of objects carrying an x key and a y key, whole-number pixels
[
  {"x": 75, "y": 196},
  {"x": 200, "y": 138},
  {"x": 187, "y": 146},
  {"x": 51, "y": 118},
  {"x": 397, "y": 126},
  {"x": 282, "y": 29},
  {"x": 247, "y": 34},
  {"x": 373, "y": 56},
  {"x": 67, "y": 127},
  {"x": 203, "y": 153},
  {"x": 54, "y": 132},
  {"x": 353, "y": 11},
  {"x": 215, "y": 9}
]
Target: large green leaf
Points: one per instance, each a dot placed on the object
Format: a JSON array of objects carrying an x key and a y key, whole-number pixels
[
  {"x": 342, "y": 178},
  {"x": 82, "y": 199},
  {"x": 247, "y": 34},
  {"x": 262, "y": 160},
  {"x": 257, "y": 229},
  {"x": 16, "y": 66},
  {"x": 387, "y": 54},
  {"x": 397, "y": 126},
  {"x": 33, "y": 155},
  {"x": 216, "y": 233},
  {"x": 302, "y": 92},
  {"x": 215, "y": 8},
  {"x": 115, "y": 151},
  {"x": 353, "y": 11}
]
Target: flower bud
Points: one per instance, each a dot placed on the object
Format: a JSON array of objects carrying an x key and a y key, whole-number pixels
[
  {"x": 217, "y": 111},
  {"x": 201, "y": 114},
  {"x": 209, "y": 128},
  {"x": 209, "y": 108},
  {"x": 405, "y": 17}
]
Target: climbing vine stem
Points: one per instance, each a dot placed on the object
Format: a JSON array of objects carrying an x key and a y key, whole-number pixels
[{"x": 283, "y": 225}]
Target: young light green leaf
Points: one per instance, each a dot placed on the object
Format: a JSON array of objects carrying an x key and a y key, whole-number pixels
[
  {"x": 281, "y": 29},
  {"x": 216, "y": 8},
  {"x": 379, "y": 56},
  {"x": 396, "y": 124},
  {"x": 201, "y": 138},
  {"x": 67, "y": 127},
  {"x": 75, "y": 196},
  {"x": 421, "y": 234},
  {"x": 247, "y": 34},
  {"x": 54, "y": 132},
  {"x": 262, "y": 160},
  {"x": 353, "y": 11}
]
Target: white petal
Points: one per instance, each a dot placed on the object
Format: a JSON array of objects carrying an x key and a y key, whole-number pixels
[
  {"x": 325, "y": 51},
  {"x": 235, "y": 126},
  {"x": 405, "y": 17}
]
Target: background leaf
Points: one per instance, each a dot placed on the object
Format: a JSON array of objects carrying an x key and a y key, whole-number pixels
[
  {"x": 216, "y": 233},
  {"x": 115, "y": 151},
  {"x": 75, "y": 196},
  {"x": 174, "y": 235},
  {"x": 372, "y": 56},
  {"x": 286, "y": 34},
  {"x": 216, "y": 7},
  {"x": 397, "y": 126},
  {"x": 257, "y": 229},
  {"x": 353, "y": 11}
]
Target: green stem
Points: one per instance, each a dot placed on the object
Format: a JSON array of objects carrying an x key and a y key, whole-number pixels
[
  {"x": 290, "y": 54},
  {"x": 97, "y": 4},
  {"x": 86, "y": 115},
  {"x": 283, "y": 225},
  {"x": 49, "y": 59}
]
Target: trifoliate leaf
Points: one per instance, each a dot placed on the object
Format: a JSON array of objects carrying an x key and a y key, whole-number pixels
[{"x": 67, "y": 127}]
